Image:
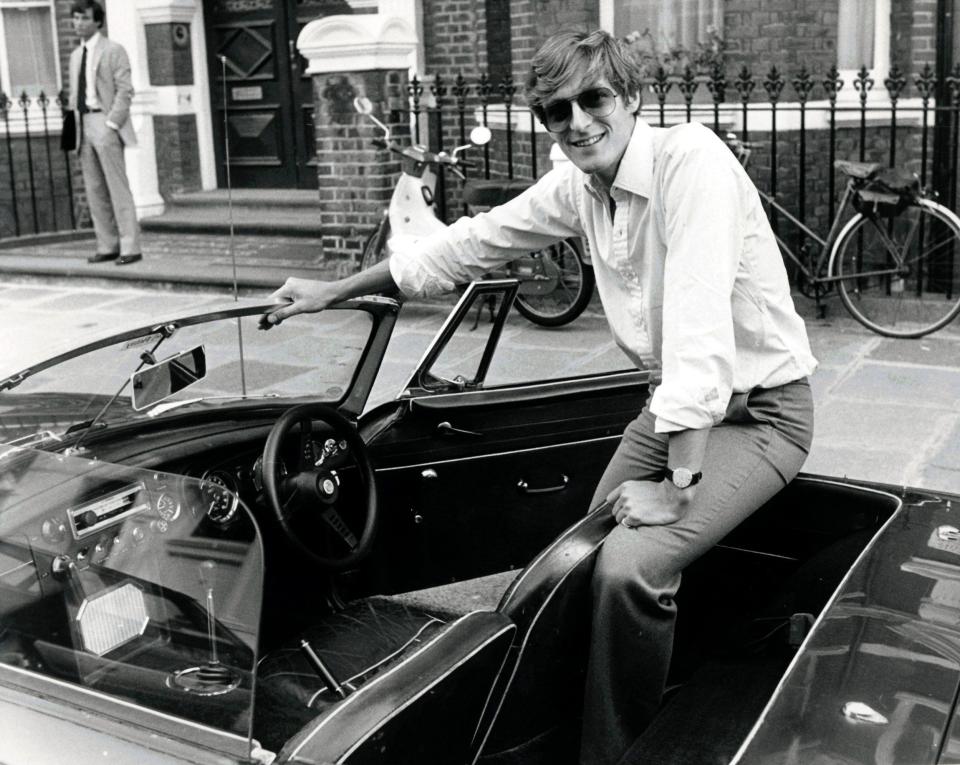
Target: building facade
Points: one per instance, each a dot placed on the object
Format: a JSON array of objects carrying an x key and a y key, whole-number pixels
[{"x": 258, "y": 92}]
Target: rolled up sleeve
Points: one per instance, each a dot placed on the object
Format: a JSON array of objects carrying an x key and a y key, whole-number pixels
[
  {"x": 473, "y": 246},
  {"x": 704, "y": 220}
]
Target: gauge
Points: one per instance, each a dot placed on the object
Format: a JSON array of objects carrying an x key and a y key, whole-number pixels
[
  {"x": 168, "y": 508},
  {"x": 257, "y": 472},
  {"x": 219, "y": 499}
]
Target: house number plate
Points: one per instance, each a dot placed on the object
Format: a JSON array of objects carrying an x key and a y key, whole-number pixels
[{"x": 250, "y": 93}]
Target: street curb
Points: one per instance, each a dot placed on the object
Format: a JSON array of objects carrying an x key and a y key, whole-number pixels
[{"x": 54, "y": 237}]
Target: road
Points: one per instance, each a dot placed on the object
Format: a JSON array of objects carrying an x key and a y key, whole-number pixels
[{"x": 887, "y": 410}]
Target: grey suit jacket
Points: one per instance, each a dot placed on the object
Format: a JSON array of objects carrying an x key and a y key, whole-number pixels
[{"x": 114, "y": 88}]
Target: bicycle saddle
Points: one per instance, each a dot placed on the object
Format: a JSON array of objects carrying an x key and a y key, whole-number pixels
[
  {"x": 863, "y": 170},
  {"x": 493, "y": 192}
]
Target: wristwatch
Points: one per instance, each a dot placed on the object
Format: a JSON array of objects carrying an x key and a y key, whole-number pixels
[{"x": 681, "y": 477}]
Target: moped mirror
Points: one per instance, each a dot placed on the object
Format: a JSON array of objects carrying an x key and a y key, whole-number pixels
[
  {"x": 155, "y": 383},
  {"x": 362, "y": 104},
  {"x": 480, "y": 135}
]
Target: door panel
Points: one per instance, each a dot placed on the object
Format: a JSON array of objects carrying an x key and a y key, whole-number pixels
[{"x": 494, "y": 486}]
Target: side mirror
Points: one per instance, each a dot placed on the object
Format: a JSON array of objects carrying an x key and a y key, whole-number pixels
[
  {"x": 480, "y": 135},
  {"x": 155, "y": 383},
  {"x": 362, "y": 105}
]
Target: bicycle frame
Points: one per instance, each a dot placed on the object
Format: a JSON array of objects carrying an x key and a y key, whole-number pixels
[{"x": 816, "y": 275}]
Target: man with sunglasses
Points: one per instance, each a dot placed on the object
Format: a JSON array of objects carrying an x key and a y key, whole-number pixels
[{"x": 693, "y": 285}]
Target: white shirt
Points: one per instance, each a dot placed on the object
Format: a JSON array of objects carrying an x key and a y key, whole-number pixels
[
  {"x": 92, "y": 101},
  {"x": 688, "y": 270}
]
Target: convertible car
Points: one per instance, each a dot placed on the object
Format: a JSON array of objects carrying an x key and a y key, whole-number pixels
[{"x": 219, "y": 545}]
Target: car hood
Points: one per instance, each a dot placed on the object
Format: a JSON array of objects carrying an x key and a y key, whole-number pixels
[
  {"x": 330, "y": 357},
  {"x": 877, "y": 678}
]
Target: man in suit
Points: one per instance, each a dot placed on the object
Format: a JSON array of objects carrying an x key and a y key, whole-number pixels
[{"x": 100, "y": 94}]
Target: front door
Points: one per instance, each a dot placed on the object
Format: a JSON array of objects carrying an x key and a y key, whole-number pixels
[{"x": 260, "y": 92}]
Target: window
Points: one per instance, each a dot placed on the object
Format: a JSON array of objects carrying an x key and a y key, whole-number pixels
[
  {"x": 669, "y": 23},
  {"x": 863, "y": 37},
  {"x": 28, "y": 53}
]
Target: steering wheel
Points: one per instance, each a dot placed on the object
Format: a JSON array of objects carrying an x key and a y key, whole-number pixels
[{"x": 316, "y": 483}]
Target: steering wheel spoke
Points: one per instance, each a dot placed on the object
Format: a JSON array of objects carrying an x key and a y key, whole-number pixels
[
  {"x": 315, "y": 486},
  {"x": 336, "y": 522}
]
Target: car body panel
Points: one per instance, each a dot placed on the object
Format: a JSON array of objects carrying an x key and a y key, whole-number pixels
[{"x": 877, "y": 678}]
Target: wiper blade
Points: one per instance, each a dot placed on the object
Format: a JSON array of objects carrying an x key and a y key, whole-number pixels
[
  {"x": 167, "y": 406},
  {"x": 85, "y": 425}
]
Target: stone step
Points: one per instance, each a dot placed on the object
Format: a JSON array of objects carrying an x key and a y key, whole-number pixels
[
  {"x": 286, "y": 212},
  {"x": 248, "y": 198}
]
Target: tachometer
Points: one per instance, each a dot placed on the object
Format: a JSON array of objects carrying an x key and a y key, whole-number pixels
[{"x": 219, "y": 496}]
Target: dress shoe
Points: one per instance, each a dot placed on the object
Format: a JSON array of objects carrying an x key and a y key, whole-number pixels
[
  {"x": 124, "y": 260},
  {"x": 102, "y": 257}
]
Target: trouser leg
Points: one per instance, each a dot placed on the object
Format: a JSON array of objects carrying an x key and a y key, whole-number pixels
[
  {"x": 111, "y": 201},
  {"x": 98, "y": 196},
  {"x": 121, "y": 199},
  {"x": 638, "y": 571}
]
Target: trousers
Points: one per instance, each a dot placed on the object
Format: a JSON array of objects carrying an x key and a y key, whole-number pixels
[
  {"x": 112, "y": 208},
  {"x": 757, "y": 449}
]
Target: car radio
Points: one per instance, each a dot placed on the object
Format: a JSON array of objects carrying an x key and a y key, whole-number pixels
[{"x": 91, "y": 517}]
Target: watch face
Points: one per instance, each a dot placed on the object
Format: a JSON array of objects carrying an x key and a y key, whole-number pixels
[{"x": 682, "y": 478}]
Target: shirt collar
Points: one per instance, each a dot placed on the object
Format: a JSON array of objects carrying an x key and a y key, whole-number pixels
[
  {"x": 92, "y": 42},
  {"x": 635, "y": 173}
]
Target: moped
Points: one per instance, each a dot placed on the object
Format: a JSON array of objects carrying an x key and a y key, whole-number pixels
[{"x": 556, "y": 283}]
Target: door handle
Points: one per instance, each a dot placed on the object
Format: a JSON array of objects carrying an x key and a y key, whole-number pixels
[
  {"x": 446, "y": 429},
  {"x": 523, "y": 486}
]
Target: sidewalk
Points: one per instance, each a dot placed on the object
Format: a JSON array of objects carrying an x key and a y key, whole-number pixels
[{"x": 172, "y": 260}]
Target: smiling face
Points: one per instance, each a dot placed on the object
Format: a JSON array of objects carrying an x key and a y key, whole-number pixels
[
  {"x": 596, "y": 144},
  {"x": 84, "y": 25}
]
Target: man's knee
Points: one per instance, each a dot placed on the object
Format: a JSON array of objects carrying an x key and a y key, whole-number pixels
[{"x": 633, "y": 558}]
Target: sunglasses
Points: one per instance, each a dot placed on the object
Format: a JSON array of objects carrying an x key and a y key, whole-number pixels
[{"x": 556, "y": 116}]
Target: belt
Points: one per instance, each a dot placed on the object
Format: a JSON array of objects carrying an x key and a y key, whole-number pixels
[{"x": 91, "y": 111}]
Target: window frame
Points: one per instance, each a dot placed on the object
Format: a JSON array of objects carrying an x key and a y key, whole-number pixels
[
  {"x": 879, "y": 68},
  {"x": 18, "y": 123}
]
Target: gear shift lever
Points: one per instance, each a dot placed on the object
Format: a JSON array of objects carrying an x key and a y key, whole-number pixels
[{"x": 211, "y": 678}]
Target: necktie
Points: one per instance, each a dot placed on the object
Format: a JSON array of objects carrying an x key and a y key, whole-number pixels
[{"x": 82, "y": 84}]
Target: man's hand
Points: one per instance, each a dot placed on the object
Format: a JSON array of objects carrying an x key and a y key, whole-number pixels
[
  {"x": 302, "y": 296},
  {"x": 648, "y": 503}
]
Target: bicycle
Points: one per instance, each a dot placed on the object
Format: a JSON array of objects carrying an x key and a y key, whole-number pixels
[
  {"x": 556, "y": 283},
  {"x": 894, "y": 262}
]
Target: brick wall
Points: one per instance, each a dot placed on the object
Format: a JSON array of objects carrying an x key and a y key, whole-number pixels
[
  {"x": 781, "y": 33},
  {"x": 48, "y": 193},
  {"x": 178, "y": 161},
  {"x": 356, "y": 177}
]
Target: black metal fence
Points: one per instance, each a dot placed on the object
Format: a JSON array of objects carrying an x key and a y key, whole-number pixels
[
  {"x": 36, "y": 177},
  {"x": 804, "y": 122}
]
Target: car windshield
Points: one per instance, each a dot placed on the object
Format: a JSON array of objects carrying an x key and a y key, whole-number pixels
[
  {"x": 116, "y": 587},
  {"x": 312, "y": 356}
]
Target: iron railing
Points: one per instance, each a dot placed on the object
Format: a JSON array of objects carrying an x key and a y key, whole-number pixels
[
  {"x": 31, "y": 197},
  {"x": 912, "y": 120}
]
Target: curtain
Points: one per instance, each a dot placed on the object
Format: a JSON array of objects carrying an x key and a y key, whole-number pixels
[
  {"x": 31, "y": 56},
  {"x": 670, "y": 23},
  {"x": 855, "y": 24}
]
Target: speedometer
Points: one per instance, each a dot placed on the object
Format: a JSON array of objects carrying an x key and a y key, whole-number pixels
[{"x": 219, "y": 496}]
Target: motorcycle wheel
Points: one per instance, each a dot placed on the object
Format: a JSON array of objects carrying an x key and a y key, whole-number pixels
[{"x": 571, "y": 291}]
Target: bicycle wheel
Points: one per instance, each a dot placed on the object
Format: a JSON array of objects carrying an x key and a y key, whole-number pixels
[
  {"x": 555, "y": 284},
  {"x": 900, "y": 276},
  {"x": 375, "y": 248}
]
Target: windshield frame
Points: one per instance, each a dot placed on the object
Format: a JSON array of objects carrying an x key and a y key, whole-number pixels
[{"x": 381, "y": 310}]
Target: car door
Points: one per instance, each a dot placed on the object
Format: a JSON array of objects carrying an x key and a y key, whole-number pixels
[{"x": 477, "y": 471}]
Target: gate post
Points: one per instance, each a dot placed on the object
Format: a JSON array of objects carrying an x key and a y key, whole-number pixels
[{"x": 367, "y": 55}]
